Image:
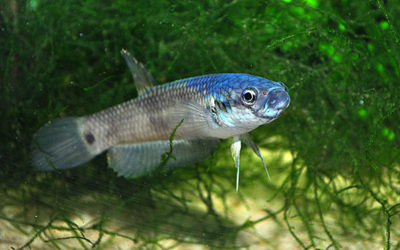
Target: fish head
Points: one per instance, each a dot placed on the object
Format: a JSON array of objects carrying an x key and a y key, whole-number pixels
[{"x": 256, "y": 101}]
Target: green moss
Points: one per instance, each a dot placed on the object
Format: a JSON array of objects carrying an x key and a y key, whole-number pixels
[
  {"x": 370, "y": 47},
  {"x": 332, "y": 156},
  {"x": 384, "y": 25},
  {"x": 379, "y": 67},
  {"x": 389, "y": 134},
  {"x": 312, "y": 3},
  {"x": 329, "y": 49},
  {"x": 362, "y": 112}
]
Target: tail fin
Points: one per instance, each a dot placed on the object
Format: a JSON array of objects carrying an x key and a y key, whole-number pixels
[{"x": 60, "y": 145}]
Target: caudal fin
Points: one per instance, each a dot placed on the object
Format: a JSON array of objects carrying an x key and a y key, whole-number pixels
[{"x": 59, "y": 145}]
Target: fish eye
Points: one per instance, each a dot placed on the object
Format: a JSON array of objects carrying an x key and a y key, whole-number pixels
[{"x": 249, "y": 96}]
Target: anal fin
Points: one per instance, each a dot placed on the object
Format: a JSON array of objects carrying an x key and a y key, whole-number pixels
[{"x": 133, "y": 160}]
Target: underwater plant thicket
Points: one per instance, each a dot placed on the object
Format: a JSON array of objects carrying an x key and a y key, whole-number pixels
[{"x": 339, "y": 58}]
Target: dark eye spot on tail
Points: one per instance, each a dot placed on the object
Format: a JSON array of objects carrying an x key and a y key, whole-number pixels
[{"x": 89, "y": 138}]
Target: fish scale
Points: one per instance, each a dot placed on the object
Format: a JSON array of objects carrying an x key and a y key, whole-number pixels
[{"x": 136, "y": 133}]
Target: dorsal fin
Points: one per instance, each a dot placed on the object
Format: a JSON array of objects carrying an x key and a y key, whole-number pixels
[{"x": 143, "y": 79}]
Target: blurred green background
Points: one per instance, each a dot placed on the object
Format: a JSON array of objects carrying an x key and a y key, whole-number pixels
[{"x": 333, "y": 156}]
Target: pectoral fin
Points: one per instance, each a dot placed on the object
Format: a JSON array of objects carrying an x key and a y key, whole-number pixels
[
  {"x": 249, "y": 142},
  {"x": 142, "y": 77},
  {"x": 133, "y": 160},
  {"x": 235, "y": 150}
]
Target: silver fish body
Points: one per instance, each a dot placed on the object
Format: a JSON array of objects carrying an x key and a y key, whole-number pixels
[{"x": 137, "y": 132}]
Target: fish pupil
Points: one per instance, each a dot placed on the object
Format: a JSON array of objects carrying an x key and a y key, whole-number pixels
[{"x": 249, "y": 97}]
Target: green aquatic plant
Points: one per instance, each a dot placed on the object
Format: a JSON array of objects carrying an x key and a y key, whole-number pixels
[{"x": 333, "y": 156}]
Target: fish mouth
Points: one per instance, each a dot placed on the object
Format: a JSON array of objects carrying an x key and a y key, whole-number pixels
[
  {"x": 271, "y": 117},
  {"x": 277, "y": 101}
]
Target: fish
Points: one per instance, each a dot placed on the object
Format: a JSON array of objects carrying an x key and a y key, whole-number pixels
[{"x": 198, "y": 111}]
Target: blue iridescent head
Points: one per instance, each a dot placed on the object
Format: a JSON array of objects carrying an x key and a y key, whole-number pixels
[
  {"x": 242, "y": 102},
  {"x": 264, "y": 98}
]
